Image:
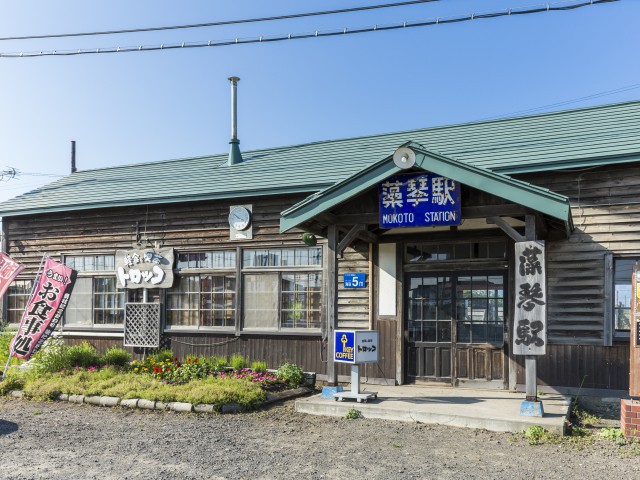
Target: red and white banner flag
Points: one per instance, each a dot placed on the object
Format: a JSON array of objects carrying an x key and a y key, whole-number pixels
[
  {"x": 9, "y": 270},
  {"x": 45, "y": 308}
]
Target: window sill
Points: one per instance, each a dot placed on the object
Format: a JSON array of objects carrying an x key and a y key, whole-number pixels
[
  {"x": 292, "y": 332},
  {"x": 621, "y": 337},
  {"x": 92, "y": 333},
  {"x": 227, "y": 330}
]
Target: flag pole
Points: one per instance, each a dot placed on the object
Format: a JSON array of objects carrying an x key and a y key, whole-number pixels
[{"x": 24, "y": 314}]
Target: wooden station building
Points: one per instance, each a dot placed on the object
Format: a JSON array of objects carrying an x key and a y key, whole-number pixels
[{"x": 441, "y": 297}]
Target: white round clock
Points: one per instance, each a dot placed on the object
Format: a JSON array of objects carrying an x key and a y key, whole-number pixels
[{"x": 239, "y": 218}]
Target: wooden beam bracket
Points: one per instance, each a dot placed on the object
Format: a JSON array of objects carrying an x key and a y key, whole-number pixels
[
  {"x": 350, "y": 237},
  {"x": 506, "y": 228}
]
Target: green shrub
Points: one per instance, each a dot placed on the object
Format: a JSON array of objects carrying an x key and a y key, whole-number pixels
[
  {"x": 291, "y": 374},
  {"x": 52, "y": 357},
  {"x": 216, "y": 364},
  {"x": 260, "y": 367},
  {"x": 190, "y": 369},
  {"x": 613, "y": 434},
  {"x": 353, "y": 414},
  {"x": 158, "y": 356},
  {"x": 83, "y": 355},
  {"x": 5, "y": 341},
  {"x": 116, "y": 357},
  {"x": 238, "y": 362},
  {"x": 534, "y": 434},
  {"x": 13, "y": 380}
]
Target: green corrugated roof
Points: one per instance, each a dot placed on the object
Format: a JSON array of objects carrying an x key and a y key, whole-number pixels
[{"x": 565, "y": 139}]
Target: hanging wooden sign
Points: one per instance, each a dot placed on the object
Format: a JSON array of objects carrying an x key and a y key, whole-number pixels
[
  {"x": 145, "y": 268},
  {"x": 530, "y": 316}
]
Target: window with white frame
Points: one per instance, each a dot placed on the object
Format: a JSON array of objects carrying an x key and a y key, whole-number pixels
[
  {"x": 204, "y": 292},
  {"x": 282, "y": 288},
  {"x": 96, "y": 302}
]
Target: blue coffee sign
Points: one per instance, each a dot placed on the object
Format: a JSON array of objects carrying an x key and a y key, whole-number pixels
[
  {"x": 345, "y": 346},
  {"x": 355, "y": 280},
  {"x": 419, "y": 200}
]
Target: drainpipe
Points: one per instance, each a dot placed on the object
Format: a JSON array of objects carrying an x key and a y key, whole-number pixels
[{"x": 235, "y": 156}]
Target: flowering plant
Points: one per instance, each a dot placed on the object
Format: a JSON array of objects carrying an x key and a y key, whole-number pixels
[{"x": 248, "y": 374}]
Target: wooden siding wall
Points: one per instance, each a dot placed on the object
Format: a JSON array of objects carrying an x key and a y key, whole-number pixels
[
  {"x": 185, "y": 227},
  {"x": 353, "y": 303},
  {"x": 182, "y": 226},
  {"x": 274, "y": 350},
  {"x": 605, "y": 205},
  {"x": 582, "y": 366}
]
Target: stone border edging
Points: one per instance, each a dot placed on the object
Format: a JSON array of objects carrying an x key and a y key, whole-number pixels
[{"x": 182, "y": 407}]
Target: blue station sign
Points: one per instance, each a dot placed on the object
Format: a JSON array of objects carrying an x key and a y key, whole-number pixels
[
  {"x": 419, "y": 200},
  {"x": 355, "y": 280}
]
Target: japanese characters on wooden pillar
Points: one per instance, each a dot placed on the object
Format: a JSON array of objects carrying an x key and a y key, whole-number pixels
[{"x": 530, "y": 316}]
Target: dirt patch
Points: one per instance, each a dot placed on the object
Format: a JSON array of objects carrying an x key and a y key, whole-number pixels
[{"x": 61, "y": 440}]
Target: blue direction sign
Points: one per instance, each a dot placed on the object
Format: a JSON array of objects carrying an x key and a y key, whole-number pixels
[
  {"x": 355, "y": 280},
  {"x": 419, "y": 200}
]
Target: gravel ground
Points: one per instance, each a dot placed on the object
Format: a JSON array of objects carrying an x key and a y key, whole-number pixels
[{"x": 61, "y": 440}]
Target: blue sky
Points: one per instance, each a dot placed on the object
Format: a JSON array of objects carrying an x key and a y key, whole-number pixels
[{"x": 140, "y": 107}]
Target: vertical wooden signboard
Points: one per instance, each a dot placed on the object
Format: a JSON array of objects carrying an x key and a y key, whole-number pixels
[
  {"x": 530, "y": 316},
  {"x": 634, "y": 364}
]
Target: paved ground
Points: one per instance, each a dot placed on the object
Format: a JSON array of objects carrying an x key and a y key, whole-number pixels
[
  {"x": 496, "y": 410},
  {"x": 67, "y": 441}
]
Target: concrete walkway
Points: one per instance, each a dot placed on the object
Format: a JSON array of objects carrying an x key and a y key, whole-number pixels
[{"x": 495, "y": 410}]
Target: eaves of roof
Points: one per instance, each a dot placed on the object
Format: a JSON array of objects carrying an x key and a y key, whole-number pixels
[{"x": 537, "y": 198}]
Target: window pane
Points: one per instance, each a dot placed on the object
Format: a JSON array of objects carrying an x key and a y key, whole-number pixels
[
  {"x": 217, "y": 302},
  {"x": 78, "y": 310},
  {"x": 261, "y": 301},
  {"x": 86, "y": 263},
  {"x": 183, "y": 302},
  {"x": 17, "y": 298},
  {"x": 623, "y": 270},
  {"x": 107, "y": 302},
  {"x": 301, "y": 300}
]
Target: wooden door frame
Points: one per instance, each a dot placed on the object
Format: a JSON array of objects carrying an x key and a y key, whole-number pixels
[{"x": 435, "y": 270}]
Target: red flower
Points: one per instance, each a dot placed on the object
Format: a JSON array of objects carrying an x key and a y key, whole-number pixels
[
  {"x": 188, "y": 359},
  {"x": 195, "y": 360},
  {"x": 175, "y": 359}
]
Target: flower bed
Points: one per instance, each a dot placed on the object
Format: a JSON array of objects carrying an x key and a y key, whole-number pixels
[{"x": 159, "y": 377}]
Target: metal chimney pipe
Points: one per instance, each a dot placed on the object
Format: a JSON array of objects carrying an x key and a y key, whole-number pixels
[
  {"x": 235, "y": 156},
  {"x": 73, "y": 157},
  {"x": 234, "y": 107}
]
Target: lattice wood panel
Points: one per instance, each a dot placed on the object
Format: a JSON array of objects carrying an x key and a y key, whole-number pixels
[{"x": 142, "y": 325}]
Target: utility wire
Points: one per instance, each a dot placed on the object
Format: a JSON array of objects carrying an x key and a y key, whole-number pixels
[
  {"x": 228, "y": 22},
  {"x": 559, "y": 104},
  {"x": 548, "y": 7}
]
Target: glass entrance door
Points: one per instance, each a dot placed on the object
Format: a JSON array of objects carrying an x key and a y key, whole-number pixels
[{"x": 455, "y": 328}]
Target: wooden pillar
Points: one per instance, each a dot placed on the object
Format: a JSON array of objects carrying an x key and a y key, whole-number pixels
[
  {"x": 530, "y": 361},
  {"x": 332, "y": 302}
]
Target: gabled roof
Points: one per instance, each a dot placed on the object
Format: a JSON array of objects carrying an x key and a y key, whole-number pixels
[
  {"x": 559, "y": 140},
  {"x": 516, "y": 191}
]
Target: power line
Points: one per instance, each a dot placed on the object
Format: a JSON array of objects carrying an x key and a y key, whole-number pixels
[
  {"x": 548, "y": 7},
  {"x": 228, "y": 22},
  {"x": 559, "y": 104}
]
